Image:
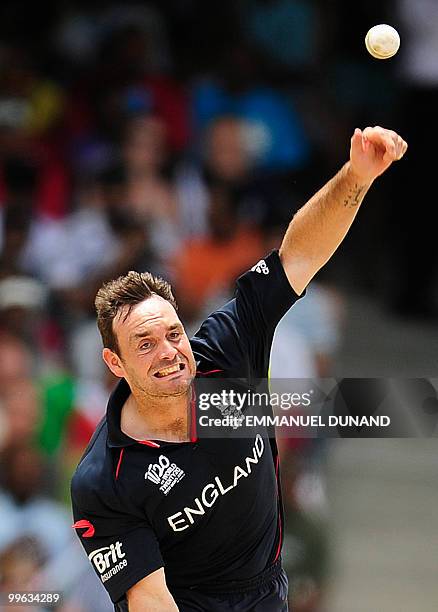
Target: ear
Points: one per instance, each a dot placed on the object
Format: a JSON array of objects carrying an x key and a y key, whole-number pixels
[{"x": 114, "y": 363}]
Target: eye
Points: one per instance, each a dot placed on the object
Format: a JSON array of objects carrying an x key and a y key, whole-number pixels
[
  {"x": 145, "y": 346},
  {"x": 174, "y": 335}
]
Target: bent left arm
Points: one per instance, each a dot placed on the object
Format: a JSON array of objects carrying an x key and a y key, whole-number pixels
[{"x": 319, "y": 227}]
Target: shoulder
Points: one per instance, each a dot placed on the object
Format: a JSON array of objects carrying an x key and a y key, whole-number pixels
[
  {"x": 93, "y": 470},
  {"x": 237, "y": 337},
  {"x": 217, "y": 343}
]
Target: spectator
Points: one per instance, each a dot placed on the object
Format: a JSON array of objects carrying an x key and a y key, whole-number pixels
[
  {"x": 149, "y": 192},
  {"x": 206, "y": 268},
  {"x": 24, "y": 508},
  {"x": 278, "y": 140},
  {"x": 22, "y": 301},
  {"x": 226, "y": 159},
  {"x": 19, "y": 562},
  {"x": 29, "y": 103},
  {"x": 123, "y": 82},
  {"x": 16, "y": 364},
  {"x": 22, "y": 409},
  {"x": 31, "y": 113},
  {"x": 25, "y": 565}
]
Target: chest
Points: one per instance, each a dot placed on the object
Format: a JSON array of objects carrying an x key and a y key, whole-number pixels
[{"x": 180, "y": 487}]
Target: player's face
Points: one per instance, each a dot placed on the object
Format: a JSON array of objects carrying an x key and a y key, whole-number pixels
[{"x": 155, "y": 353}]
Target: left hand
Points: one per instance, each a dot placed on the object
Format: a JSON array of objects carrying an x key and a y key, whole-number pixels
[{"x": 373, "y": 150}]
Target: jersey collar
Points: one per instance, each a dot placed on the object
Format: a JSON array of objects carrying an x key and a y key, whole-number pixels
[{"x": 116, "y": 437}]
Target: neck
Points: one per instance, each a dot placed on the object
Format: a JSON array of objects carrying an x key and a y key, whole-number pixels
[{"x": 147, "y": 417}]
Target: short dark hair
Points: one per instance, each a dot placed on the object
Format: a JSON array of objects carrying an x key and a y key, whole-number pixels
[{"x": 128, "y": 290}]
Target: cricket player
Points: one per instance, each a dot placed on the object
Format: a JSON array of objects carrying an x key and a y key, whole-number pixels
[{"x": 170, "y": 520}]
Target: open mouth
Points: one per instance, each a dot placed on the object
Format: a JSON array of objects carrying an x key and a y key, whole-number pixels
[{"x": 178, "y": 367}]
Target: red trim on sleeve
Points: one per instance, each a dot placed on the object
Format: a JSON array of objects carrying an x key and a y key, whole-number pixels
[
  {"x": 193, "y": 431},
  {"x": 209, "y": 372},
  {"x": 277, "y": 554},
  {"x": 119, "y": 463},
  {"x": 84, "y": 524}
]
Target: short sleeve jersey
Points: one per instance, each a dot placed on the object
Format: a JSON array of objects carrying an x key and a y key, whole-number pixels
[{"x": 208, "y": 510}]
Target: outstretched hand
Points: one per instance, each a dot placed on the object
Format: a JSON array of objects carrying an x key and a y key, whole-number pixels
[{"x": 373, "y": 150}]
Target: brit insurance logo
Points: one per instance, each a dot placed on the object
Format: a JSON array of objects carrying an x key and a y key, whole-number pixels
[
  {"x": 164, "y": 474},
  {"x": 260, "y": 267},
  {"x": 108, "y": 560}
]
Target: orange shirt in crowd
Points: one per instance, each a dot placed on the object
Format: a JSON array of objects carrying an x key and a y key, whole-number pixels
[{"x": 207, "y": 266}]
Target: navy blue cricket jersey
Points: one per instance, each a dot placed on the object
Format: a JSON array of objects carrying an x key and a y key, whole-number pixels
[{"x": 209, "y": 510}]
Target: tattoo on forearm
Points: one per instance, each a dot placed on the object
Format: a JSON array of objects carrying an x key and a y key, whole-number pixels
[{"x": 354, "y": 196}]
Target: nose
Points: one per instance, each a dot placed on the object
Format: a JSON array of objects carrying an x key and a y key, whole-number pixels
[{"x": 168, "y": 351}]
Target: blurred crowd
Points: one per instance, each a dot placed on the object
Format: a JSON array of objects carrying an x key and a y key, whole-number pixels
[{"x": 180, "y": 137}]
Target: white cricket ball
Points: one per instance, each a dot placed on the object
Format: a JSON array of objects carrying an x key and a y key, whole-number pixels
[{"x": 382, "y": 41}]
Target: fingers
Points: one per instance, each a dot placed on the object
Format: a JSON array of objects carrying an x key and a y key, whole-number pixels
[
  {"x": 390, "y": 142},
  {"x": 403, "y": 147},
  {"x": 357, "y": 141},
  {"x": 383, "y": 140}
]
